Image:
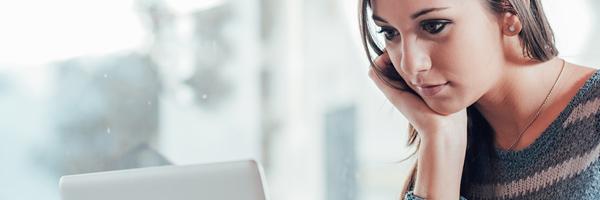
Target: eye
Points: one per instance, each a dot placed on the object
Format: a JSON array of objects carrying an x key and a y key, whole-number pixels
[
  {"x": 388, "y": 33},
  {"x": 434, "y": 26}
]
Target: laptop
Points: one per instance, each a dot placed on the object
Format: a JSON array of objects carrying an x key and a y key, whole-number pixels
[{"x": 217, "y": 181}]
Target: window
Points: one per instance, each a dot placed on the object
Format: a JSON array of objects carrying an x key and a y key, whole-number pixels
[{"x": 90, "y": 86}]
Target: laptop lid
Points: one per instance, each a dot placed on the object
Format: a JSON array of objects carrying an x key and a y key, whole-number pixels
[{"x": 217, "y": 181}]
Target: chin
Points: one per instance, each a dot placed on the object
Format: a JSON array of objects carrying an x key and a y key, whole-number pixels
[{"x": 445, "y": 107}]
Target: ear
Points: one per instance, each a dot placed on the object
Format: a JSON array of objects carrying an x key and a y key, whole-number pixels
[{"x": 511, "y": 24}]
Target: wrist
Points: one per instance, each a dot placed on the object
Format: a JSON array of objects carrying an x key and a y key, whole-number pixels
[
  {"x": 444, "y": 139},
  {"x": 440, "y": 164}
]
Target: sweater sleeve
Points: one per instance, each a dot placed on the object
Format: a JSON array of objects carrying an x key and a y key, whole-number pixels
[{"x": 411, "y": 196}]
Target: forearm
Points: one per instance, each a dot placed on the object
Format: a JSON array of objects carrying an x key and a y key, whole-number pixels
[{"x": 440, "y": 165}]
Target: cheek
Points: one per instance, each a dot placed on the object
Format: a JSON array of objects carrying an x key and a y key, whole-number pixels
[
  {"x": 469, "y": 51},
  {"x": 474, "y": 42},
  {"x": 470, "y": 60},
  {"x": 475, "y": 58}
]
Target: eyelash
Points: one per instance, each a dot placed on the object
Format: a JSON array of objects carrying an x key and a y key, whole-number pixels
[
  {"x": 438, "y": 25},
  {"x": 388, "y": 33},
  {"x": 432, "y": 27}
]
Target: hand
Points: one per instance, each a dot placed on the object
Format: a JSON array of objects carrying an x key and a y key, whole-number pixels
[
  {"x": 443, "y": 140},
  {"x": 426, "y": 121}
]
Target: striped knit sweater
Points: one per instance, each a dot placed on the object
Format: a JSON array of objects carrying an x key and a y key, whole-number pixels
[{"x": 561, "y": 164}]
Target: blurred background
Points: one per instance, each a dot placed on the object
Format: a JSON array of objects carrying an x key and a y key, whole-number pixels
[{"x": 89, "y": 86}]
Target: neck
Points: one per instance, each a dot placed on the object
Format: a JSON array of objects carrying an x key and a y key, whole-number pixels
[{"x": 514, "y": 101}]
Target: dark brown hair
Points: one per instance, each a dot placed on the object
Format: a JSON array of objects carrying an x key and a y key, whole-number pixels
[{"x": 537, "y": 40}]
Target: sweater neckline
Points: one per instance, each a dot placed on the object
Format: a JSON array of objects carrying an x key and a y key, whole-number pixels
[{"x": 544, "y": 141}]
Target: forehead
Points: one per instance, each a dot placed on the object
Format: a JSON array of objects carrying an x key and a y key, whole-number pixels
[{"x": 405, "y": 8}]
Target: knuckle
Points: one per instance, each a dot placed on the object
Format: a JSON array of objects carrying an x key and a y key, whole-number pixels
[
  {"x": 382, "y": 61},
  {"x": 372, "y": 74},
  {"x": 379, "y": 62}
]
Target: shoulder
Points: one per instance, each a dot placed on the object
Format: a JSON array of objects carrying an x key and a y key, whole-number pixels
[
  {"x": 584, "y": 86},
  {"x": 584, "y": 82}
]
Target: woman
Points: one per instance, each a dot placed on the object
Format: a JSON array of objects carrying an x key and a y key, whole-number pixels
[{"x": 494, "y": 113}]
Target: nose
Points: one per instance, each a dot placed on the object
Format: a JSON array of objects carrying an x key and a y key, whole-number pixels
[{"x": 415, "y": 58}]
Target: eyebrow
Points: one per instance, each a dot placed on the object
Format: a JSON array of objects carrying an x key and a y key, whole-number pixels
[{"x": 413, "y": 16}]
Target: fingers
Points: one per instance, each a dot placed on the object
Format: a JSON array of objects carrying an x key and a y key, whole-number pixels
[
  {"x": 404, "y": 101},
  {"x": 383, "y": 60},
  {"x": 391, "y": 93}
]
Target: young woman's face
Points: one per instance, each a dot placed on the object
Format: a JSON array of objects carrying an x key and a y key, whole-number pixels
[{"x": 449, "y": 51}]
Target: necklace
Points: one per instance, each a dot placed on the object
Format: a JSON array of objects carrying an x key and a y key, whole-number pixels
[{"x": 539, "y": 110}]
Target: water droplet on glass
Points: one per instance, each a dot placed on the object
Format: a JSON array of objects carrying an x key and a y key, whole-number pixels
[
  {"x": 105, "y": 75},
  {"x": 149, "y": 103},
  {"x": 204, "y": 96},
  {"x": 108, "y": 130}
]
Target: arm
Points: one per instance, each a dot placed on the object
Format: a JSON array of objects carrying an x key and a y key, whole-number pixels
[
  {"x": 440, "y": 165},
  {"x": 443, "y": 138}
]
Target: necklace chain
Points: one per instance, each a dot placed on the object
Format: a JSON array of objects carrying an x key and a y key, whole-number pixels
[{"x": 539, "y": 110}]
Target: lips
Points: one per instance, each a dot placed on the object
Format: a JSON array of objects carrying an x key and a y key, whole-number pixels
[{"x": 430, "y": 89}]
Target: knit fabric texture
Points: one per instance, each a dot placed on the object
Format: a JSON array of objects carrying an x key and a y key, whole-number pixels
[{"x": 561, "y": 164}]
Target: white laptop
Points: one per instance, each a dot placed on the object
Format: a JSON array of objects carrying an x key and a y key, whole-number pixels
[{"x": 218, "y": 181}]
